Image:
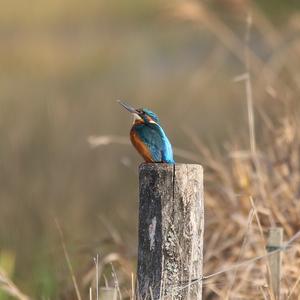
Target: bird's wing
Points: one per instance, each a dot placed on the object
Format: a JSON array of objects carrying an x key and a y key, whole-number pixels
[
  {"x": 151, "y": 137},
  {"x": 163, "y": 144}
]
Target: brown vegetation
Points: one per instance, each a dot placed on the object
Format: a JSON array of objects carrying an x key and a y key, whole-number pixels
[{"x": 59, "y": 83}]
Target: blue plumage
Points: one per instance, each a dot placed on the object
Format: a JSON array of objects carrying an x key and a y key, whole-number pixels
[
  {"x": 153, "y": 136},
  {"x": 151, "y": 114},
  {"x": 148, "y": 137}
]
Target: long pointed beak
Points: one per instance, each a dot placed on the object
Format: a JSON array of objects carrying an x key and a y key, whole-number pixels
[{"x": 128, "y": 107}]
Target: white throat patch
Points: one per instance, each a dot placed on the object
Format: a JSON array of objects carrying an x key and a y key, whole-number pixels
[{"x": 136, "y": 117}]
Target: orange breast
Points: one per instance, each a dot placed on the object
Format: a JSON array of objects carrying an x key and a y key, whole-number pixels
[{"x": 140, "y": 146}]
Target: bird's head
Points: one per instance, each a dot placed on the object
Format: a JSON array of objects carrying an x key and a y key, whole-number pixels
[{"x": 141, "y": 115}]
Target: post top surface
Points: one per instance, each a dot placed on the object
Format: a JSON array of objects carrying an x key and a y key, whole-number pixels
[{"x": 163, "y": 166}]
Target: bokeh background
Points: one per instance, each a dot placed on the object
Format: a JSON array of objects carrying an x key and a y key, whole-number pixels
[{"x": 63, "y": 66}]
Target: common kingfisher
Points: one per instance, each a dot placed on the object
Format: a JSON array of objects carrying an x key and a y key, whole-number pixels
[{"x": 148, "y": 137}]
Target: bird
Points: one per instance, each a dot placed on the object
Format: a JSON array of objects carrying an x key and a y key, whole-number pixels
[{"x": 148, "y": 136}]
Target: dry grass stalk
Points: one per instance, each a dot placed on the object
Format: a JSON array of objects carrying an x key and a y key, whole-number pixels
[
  {"x": 70, "y": 267},
  {"x": 10, "y": 288}
]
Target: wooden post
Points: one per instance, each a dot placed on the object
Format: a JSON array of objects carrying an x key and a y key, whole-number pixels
[
  {"x": 274, "y": 243},
  {"x": 171, "y": 223}
]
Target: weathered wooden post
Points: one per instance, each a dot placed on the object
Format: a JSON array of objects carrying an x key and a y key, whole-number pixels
[
  {"x": 171, "y": 224},
  {"x": 275, "y": 241}
]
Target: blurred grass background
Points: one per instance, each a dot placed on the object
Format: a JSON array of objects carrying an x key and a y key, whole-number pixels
[{"x": 63, "y": 65}]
